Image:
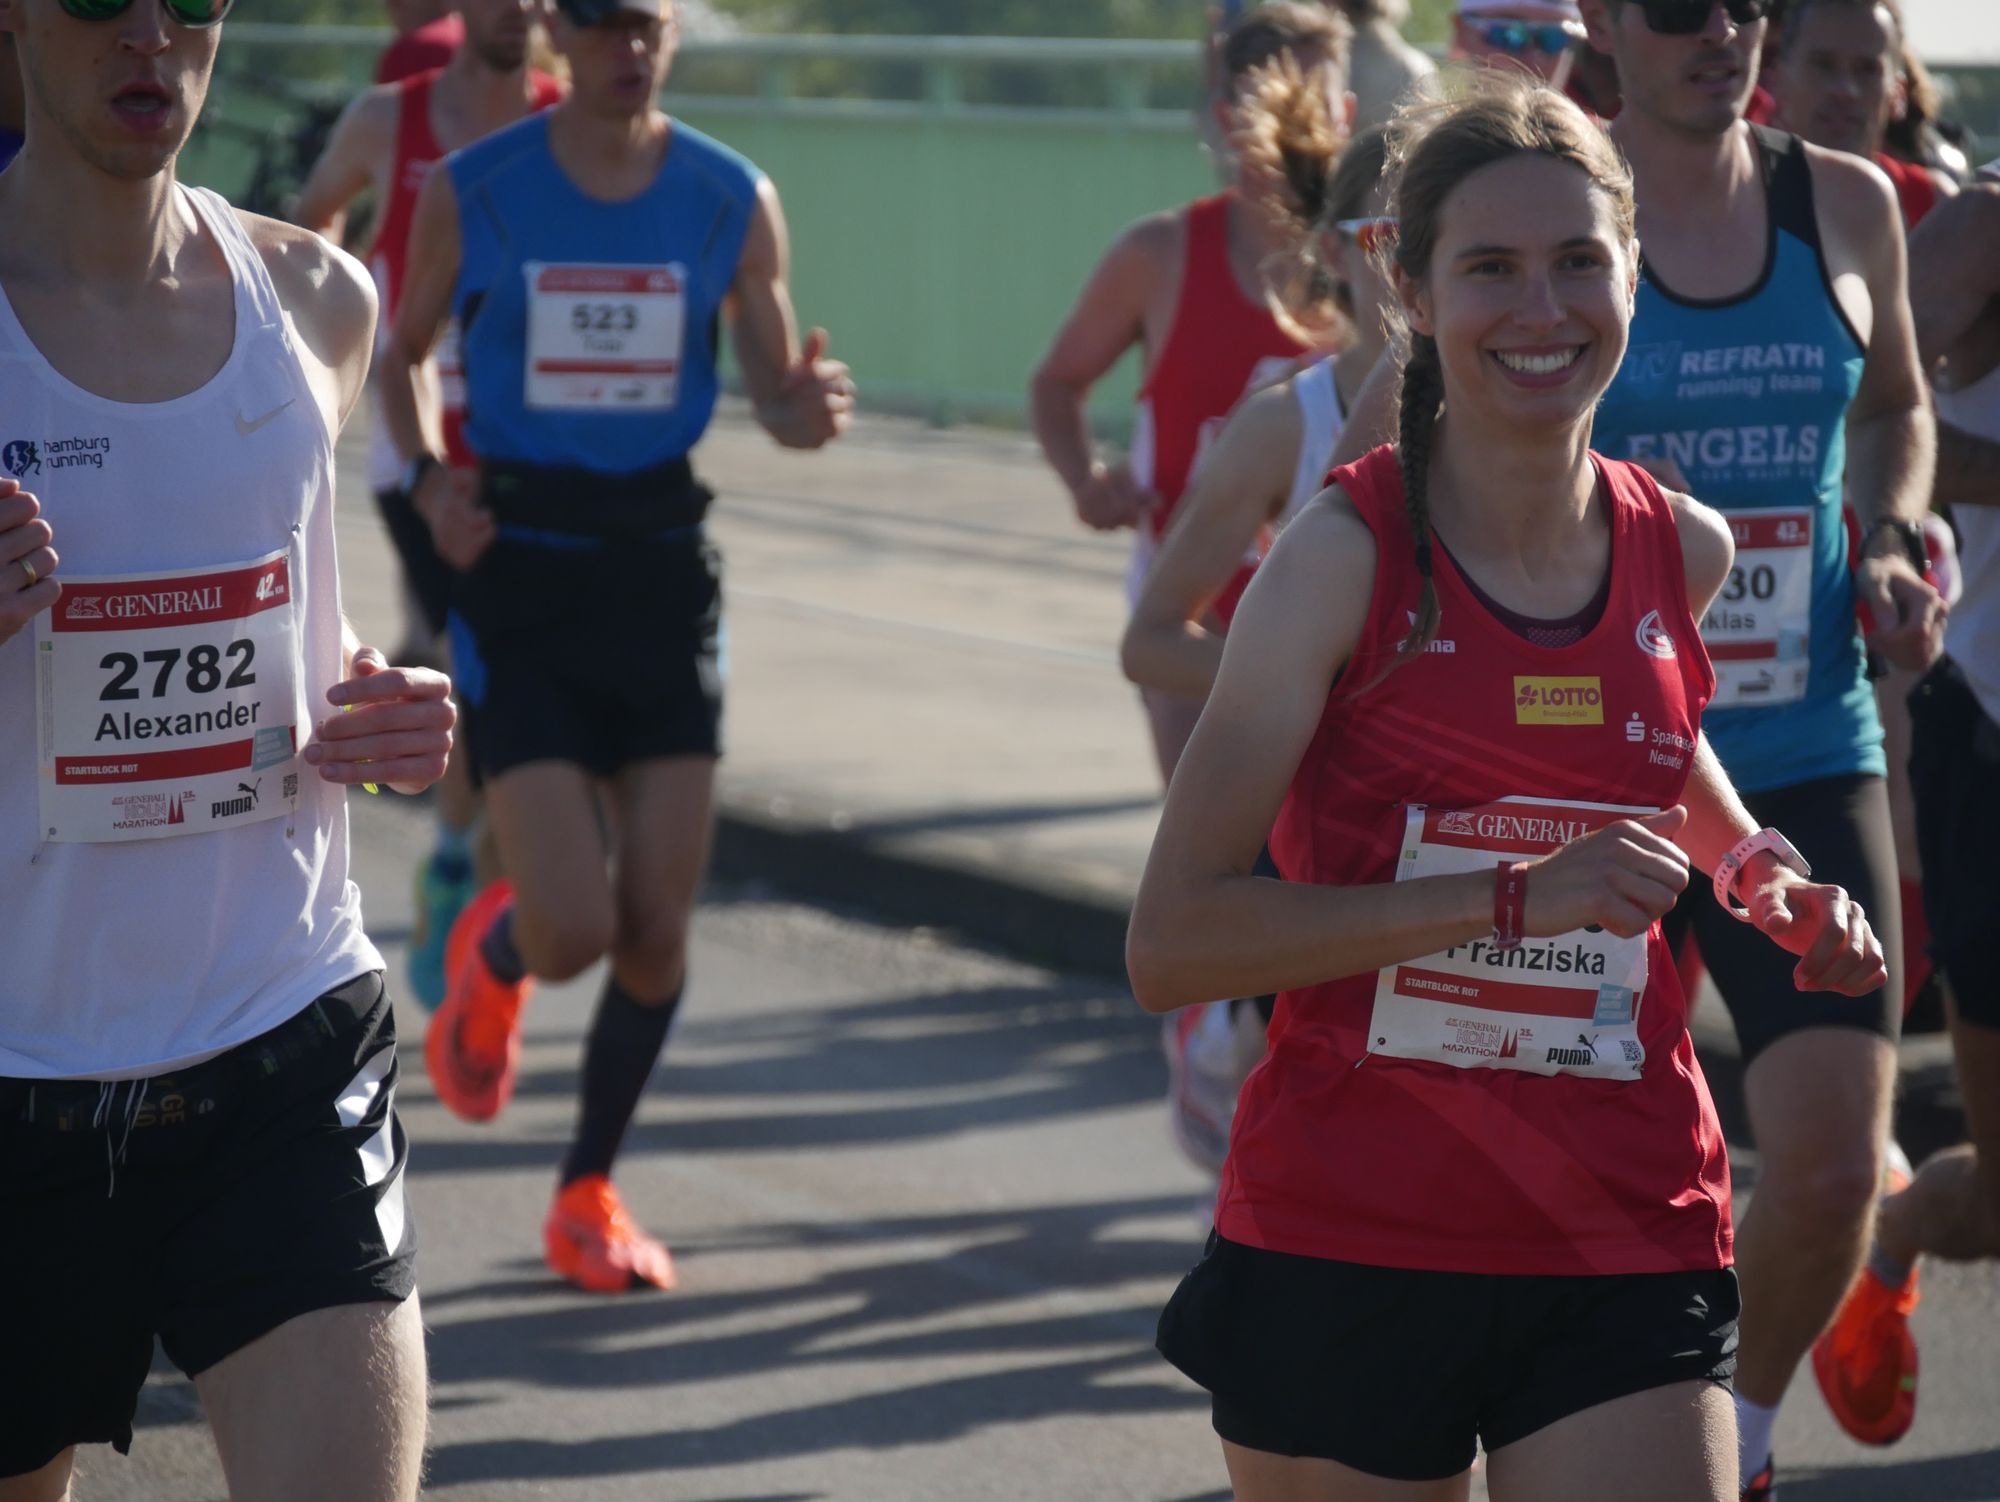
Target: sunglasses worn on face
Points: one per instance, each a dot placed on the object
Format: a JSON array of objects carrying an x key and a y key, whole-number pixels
[
  {"x": 197, "y": 13},
  {"x": 1366, "y": 235},
  {"x": 1682, "y": 18},
  {"x": 1516, "y": 37}
]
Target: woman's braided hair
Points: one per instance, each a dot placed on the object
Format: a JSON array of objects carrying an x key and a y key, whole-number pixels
[{"x": 1432, "y": 149}]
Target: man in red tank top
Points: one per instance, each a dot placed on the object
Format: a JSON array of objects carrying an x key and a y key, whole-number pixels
[
  {"x": 1840, "y": 81},
  {"x": 386, "y": 143},
  {"x": 1188, "y": 287}
]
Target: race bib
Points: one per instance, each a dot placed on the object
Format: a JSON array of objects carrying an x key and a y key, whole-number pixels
[
  {"x": 604, "y": 338},
  {"x": 1759, "y": 628},
  {"x": 169, "y": 703},
  {"x": 1568, "y": 1005}
]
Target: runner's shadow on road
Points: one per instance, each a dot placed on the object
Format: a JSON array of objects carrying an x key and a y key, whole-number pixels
[
  {"x": 857, "y": 1074},
  {"x": 1947, "y": 1478},
  {"x": 888, "y": 1322}
]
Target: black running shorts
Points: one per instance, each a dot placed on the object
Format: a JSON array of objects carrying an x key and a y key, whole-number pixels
[
  {"x": 1396, "y": 1373},
  {"x": 596, "y": 653},
  {"x": 207, "y": 1206},
  {"x": 1841, "y": 826},
  {"x": 1955, "y": 774},
  {"x": 430, "y": 578}
]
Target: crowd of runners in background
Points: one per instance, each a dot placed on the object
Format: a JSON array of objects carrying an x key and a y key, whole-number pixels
[{"x": 1563, "y": 570}]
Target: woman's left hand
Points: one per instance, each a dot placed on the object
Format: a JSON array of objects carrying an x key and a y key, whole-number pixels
[{"x": 1824, "y": 926}]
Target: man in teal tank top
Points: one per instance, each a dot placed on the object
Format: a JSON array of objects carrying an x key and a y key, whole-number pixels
[
  {"x": 591, "y": 255},
  {"x": 1772, "y": 357}
]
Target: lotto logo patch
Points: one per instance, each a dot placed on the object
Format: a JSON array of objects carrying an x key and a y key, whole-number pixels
[{"x": 1558, "y": 701}]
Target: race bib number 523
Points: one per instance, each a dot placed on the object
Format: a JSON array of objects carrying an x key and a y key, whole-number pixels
[
  {"x": 168, "y": 703},
  {"x": 605, "y": 338}
]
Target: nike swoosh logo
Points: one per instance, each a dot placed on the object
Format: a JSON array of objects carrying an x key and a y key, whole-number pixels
[{"x": 246, "y": 426}]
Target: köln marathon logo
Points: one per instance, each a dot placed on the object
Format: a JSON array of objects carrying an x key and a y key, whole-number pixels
[{"x": 150, "y": 810}]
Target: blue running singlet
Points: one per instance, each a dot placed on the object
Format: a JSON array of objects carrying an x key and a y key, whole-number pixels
[
  {"x": 591, "y": 327},
  {"x": 1749, "y": 395}
]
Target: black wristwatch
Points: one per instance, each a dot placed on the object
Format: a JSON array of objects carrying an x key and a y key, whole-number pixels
[
  {"x": 1912, "y": 535},
  {"x": 415, "y": 470}
]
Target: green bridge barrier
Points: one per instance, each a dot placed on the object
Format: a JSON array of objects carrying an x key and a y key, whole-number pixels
[{"x": 946, "y": 196}]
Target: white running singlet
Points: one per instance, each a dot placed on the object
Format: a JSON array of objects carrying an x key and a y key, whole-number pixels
[
  {"x": 174, "y": 877},
  {"x": 1321, "y": 420},
  {"x": 1972, "y": 633}
]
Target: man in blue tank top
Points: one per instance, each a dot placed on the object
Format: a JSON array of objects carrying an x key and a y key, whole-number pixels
[
  {"x": 591, "y": 254},
  {"x": 1771, "y": 354}
]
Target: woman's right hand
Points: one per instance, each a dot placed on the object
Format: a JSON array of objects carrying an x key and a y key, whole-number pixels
[
  {"x": 1619, "y": 878},
  {"x": 448, "y": 501}
]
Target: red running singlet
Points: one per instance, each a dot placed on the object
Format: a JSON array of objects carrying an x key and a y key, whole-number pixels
[
  {"x": 1220, "y": 348},
  {"x": 417, "y": 151},
  {"x": 1530, "y": 1111},
  {"x": 1916, "y": 192}
]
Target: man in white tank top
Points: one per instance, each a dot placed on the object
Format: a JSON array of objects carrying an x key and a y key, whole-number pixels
[
  {"x": 1867, "y": 1362},
  {"x": 197, "y": 1062}
]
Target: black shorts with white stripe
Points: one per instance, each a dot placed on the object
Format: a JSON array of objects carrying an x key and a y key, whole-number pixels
[{"x": 205, "y": 1207}]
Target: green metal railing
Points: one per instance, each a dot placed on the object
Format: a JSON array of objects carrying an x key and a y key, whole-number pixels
[{"x": 947, "y": 196}]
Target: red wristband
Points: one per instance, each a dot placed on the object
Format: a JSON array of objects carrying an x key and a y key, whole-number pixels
[{"x": 1510, "y": 904}]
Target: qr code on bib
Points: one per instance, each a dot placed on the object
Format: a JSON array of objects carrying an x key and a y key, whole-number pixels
[{"x": 1633, "y": 1053}]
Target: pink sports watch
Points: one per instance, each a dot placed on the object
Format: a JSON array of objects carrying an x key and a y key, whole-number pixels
[{"x": 1731, "y": 867}]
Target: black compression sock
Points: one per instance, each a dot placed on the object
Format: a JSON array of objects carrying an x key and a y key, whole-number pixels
[
  {"x": 498, "y": 950},
  {"x": 626, "y": 1037}
]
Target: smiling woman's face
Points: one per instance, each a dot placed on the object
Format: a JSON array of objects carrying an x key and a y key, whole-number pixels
[{"x": 1528, "y": 294}]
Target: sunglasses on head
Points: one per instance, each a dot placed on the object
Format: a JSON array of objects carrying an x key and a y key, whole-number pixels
[
  {"x": 1366, "y": 235},
  {"x": 196, "y": 13},
  {"x": 1681, "y": 18},
  {"x": 1516, "y": 37}
]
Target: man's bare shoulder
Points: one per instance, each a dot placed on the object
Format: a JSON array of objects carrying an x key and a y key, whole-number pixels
[
  {"x": 328, "y": 293},
  {"x": 1856, "y": 196}
]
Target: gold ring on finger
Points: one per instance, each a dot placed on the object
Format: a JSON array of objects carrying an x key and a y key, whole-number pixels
[{"x": 29, "y": 569}]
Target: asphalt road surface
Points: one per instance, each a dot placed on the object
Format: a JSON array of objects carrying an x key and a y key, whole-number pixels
[{"x": 925, "y": 1212}]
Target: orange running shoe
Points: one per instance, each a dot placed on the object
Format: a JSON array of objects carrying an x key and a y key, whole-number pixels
[
  {"x": 1866, "y": 1362},
  {"x": 591, "y": 1241},
  {"x": 473, "y": 1046}
]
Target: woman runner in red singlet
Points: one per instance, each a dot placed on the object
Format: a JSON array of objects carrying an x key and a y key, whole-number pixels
[
  {"x": 1477, "y": 1190},
  {"x": 1192, "y": 289}
]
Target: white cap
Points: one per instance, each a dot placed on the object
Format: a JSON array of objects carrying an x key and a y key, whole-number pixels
[{"x": 1526, "y": 10}]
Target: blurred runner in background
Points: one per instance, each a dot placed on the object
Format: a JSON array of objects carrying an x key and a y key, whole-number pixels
[
  {"x": 592, "y": 255},
  {"x": 1269, "y": 461},
  {"x": 1867, "y": 1362},
  {"x": 1382, "y": 68},
  {"x": 1192, "y": 288},
  {"x": 386, "y": 144},
  {"x": 1535, "y": 35}
]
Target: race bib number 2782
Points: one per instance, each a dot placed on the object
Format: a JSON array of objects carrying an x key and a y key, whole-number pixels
[{"x": 169, "y": 703}]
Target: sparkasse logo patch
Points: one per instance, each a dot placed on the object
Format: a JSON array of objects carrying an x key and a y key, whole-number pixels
[{"x": 1558, "y": 701}]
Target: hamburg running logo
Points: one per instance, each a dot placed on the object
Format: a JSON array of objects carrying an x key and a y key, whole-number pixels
[{"x": 21, "y": 459}]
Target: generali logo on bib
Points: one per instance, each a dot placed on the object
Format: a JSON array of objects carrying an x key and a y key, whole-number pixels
[{"x": 1558, "y": 701}]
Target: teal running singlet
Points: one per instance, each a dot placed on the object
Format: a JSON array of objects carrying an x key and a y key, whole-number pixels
[{"x": 1749, "y": 395}]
